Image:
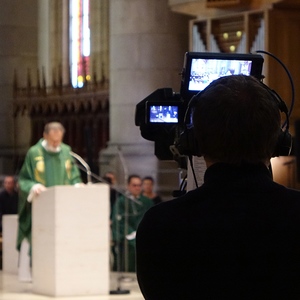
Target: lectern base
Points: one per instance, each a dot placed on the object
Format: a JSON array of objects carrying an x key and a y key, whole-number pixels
[{"x": 119, "y": 292}]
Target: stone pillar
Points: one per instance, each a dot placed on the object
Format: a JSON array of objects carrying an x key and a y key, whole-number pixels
[
  {"x": 18, "y": 51},
  {"x": 147, "y": 46},
  {"x": 99, "y": 25},
  {"x": 53, "y": 39}
]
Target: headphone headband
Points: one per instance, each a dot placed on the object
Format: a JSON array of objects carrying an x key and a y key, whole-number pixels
[{"x": 188, "y": 144}]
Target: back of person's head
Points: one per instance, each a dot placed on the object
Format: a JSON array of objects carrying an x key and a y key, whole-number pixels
[{"x": 236, "y": 120}]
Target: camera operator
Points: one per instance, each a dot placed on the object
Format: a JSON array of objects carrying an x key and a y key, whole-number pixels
[{"x": 236, "y": 236}]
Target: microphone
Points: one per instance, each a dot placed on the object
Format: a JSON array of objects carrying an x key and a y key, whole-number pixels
[{"x": 86, "y": 166}]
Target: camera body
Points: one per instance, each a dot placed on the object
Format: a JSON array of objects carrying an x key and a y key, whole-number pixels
[{"x": 164, "y": 115}]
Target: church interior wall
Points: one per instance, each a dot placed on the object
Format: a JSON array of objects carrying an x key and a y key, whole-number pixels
[
  {"x": 146, "y": 53},
  {"x": 18, "y": 31},
  {"x": 138, "y": 54}
]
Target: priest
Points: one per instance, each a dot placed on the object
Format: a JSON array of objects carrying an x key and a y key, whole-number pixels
[{"x": 47, "y": 163}]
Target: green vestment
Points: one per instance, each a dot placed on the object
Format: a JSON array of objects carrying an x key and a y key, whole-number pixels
[
  {"x": 48, "y": 169},
  {"x": 126, "y": 216}
]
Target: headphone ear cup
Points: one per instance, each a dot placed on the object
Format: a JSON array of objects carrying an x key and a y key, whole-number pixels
[
  {"x": 188, "y": 144},
  {"x": 284, "y": 144}
]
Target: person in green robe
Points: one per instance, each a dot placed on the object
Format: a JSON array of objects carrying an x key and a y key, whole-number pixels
[
  {"x": 126, "y": 216},
  {"x": 47, "y": 163}
]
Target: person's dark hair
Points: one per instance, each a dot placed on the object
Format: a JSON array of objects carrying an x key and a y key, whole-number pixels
[
  {"x": 148, "y": 178},
  {"x": 14, "y": 178},
  {"x": 132, "y": 176},
  {"x": 107, "y": 179},
  {"x": 236, "y": 120}
]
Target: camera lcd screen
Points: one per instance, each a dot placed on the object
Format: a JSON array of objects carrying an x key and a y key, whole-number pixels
[
  {"x": 201, "y": 68},
  {"x": 163, "y": 113},
  {"x": 204, "y": 71}
]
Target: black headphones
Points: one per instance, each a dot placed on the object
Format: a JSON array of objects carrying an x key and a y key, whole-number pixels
[
  {"x": 284, "y": 142},
  {"x": 188, "y": 145}
]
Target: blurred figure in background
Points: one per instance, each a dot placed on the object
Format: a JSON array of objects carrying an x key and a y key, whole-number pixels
[
  {"x": 110, "y": 178},
  {"x": 8, "y": 198},
  {"x": 127, "y": 213},
  {"x": 147, "y": 187}
]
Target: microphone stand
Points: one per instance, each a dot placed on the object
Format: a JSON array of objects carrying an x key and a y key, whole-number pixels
[
  {"x": 118, "y": 291},
  {"x": 126, "y": 215},
  {"x": 100, "y": 179},
  {"x": 127, "y": 197},
  {"x": 86, "y": 166}
]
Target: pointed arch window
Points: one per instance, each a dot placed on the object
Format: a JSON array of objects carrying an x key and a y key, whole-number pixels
[{"x": 79, "y": 42}]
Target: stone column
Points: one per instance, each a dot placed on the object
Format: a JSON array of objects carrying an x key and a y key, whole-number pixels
[
  {"x": 18, "y": 51},
  {"x": 53, "y": 39},
  {"x": 147, "y": 46},
  {"x": 99, "y": 25}
]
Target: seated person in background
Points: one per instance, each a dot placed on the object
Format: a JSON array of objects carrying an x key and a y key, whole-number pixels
[
  {"x": 127, "y": 214},
  {"x": 110, "y": 178},
  {"x": 237, "y": 235},
  {"x": 8, "y": 198},
  {"x": 147, "y": 187}
]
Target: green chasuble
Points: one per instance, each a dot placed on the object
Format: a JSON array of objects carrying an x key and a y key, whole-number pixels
[
  {"x": 48, "y": 169},
  {"x": 126, "y": 216}
]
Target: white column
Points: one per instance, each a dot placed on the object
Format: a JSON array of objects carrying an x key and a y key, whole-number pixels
[{"x": 147, "y": 46}]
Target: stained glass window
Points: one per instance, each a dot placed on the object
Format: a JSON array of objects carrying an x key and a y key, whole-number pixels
[{"x": 79, "y": 42}]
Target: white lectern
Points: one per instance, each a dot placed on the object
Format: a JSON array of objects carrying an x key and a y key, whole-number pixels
[{"x": 70, "y": 241}]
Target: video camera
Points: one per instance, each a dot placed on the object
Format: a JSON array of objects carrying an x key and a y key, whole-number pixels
[{"x": 163, "y": 116}]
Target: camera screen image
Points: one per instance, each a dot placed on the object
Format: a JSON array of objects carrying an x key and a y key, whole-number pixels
[
  {"x": 204, "y": 71},
  {"x": 163, "y": 113}
]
